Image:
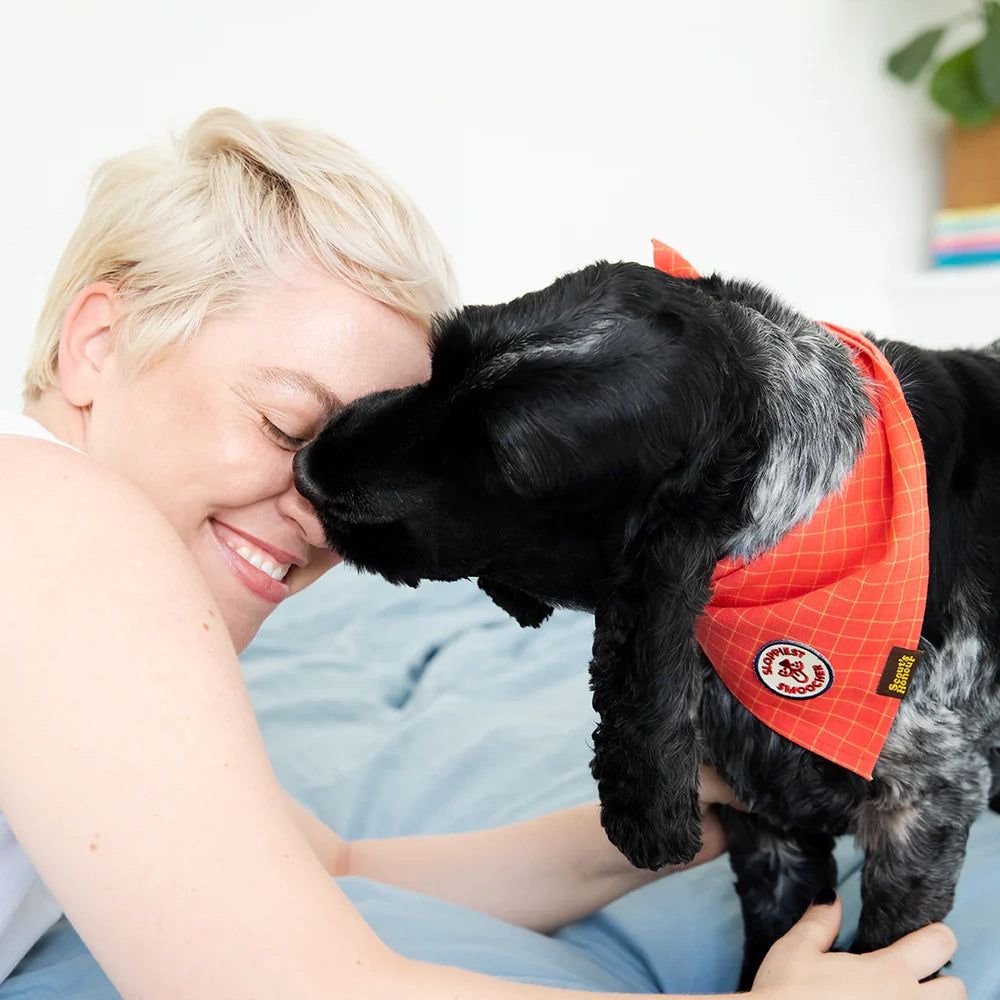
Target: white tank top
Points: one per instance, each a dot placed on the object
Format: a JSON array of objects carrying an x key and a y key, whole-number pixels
[{"x": 27, "y": 908}]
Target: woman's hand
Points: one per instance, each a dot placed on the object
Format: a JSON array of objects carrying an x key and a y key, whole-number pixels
[
  {"x": 713, "y": 791},
  {"x": 800, "y": 965}
]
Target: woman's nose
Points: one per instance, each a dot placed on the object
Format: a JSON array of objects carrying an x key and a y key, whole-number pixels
[{"x": 296, "y": 507}]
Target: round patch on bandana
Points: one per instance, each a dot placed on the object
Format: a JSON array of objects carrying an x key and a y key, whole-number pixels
[{"x": 793, "y": 670}]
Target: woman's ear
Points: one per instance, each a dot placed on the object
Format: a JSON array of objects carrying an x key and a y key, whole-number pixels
[{"x": 87, "y": 341}]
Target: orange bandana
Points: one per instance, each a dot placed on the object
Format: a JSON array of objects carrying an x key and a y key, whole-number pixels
[{"x": 817, "y": 637}]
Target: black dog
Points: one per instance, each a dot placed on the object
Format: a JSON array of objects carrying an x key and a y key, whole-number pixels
[{"x": 601, "y": 445}]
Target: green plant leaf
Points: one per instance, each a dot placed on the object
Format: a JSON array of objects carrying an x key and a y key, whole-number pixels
[
  {"x": 987, "y": 58},
  {"x": 955, "y": 88},
  {"x": 907, "y": 62}
]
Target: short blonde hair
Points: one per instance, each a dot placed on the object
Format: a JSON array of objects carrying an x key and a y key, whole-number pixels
[{"x": 185, "y": 231}]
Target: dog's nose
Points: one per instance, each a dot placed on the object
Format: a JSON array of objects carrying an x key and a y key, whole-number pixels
[{"x": 304, "y": 482}]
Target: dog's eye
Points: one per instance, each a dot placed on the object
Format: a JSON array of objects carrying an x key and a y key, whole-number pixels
[{"x": 285, "y": 440}]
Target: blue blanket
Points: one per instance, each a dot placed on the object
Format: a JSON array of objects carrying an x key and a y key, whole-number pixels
[{"x": 390, "y": 711}]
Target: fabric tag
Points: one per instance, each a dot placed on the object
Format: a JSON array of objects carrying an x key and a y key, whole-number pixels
[{"x": 899, "y": 666}]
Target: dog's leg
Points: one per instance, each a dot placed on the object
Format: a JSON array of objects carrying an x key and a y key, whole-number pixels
[
  {"x": 914, "y": 852},
  {"x": 778, "y": 874}
]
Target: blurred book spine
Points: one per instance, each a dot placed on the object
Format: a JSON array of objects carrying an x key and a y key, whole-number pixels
[{"x": 966, "y": 236}]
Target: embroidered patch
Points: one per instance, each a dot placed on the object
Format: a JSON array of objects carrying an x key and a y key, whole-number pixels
[
  {"x": 793, "y": 670},
  {"x": 899, "y": 666}
]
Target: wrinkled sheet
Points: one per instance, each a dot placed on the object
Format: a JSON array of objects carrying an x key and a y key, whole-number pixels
[{"x": 390, "y": 711}]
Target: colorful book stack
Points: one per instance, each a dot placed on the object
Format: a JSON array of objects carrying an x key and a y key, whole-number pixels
[{"x": 966, "y": 236}]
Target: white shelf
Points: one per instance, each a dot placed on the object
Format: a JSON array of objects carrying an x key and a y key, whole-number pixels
[
  {"x": 948, "y": 280},
  {"x": 948, "y": 306}
]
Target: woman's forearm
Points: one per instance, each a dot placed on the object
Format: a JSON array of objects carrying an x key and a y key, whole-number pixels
[{"x": 541, "y": 873}]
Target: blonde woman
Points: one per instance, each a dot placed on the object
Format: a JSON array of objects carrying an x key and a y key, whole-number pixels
[{"x": 221, "y": 298}]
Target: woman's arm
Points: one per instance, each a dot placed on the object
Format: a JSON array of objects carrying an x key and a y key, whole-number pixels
[
  {"x": 541, "y": 873},
  {"x": 131, "y": 768}
]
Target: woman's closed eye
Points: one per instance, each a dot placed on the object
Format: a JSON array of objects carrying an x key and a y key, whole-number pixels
[{"x": 287, "y": 441}]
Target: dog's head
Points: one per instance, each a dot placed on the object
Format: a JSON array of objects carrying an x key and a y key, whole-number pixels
[{"x": 533, "y": 451}]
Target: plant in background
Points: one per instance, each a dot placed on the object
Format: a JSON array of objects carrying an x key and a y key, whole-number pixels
[{"x": 966, "y": 84}]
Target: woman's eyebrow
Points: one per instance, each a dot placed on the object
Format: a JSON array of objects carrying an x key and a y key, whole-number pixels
[{"x": 296, "y": 379}]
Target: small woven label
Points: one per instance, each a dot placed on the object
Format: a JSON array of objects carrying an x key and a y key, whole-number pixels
[{"x": 898, "y": 671}]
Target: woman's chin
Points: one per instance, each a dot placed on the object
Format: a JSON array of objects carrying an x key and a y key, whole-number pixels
[
  {"x": 241, "y": 623},
  {"x": 242, "y": 631}
]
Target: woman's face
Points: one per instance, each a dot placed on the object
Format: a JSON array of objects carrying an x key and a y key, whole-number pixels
[{"x": 209, "y": 433}]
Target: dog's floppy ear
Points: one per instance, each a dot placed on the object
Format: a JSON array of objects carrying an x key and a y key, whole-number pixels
[
  {"x": 644, "y": 677},
  {"x": 527, "y": 610},
  {"x": 628, "y": 393},
  {"x": 552, "y": 430}
]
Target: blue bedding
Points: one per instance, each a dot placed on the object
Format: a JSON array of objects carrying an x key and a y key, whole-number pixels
[{"x": 390, "y": 711}]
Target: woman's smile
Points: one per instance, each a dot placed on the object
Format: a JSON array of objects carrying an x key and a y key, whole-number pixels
[{"x": 260, "y": 569}]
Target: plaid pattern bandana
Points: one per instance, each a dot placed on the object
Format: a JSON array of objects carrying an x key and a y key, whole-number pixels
[{"x": 817, "y": 637}]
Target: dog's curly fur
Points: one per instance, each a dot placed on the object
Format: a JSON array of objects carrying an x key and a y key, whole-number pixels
[{"x": 600, "y": 445}]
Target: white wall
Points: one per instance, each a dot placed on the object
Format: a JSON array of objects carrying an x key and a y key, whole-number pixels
[{"x": 762, "y": 139}]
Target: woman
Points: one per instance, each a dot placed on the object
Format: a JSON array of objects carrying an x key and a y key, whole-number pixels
[{"x": 218, "y": 303}]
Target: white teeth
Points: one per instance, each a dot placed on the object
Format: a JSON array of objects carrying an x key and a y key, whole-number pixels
[{"x": 261, "y": 562}]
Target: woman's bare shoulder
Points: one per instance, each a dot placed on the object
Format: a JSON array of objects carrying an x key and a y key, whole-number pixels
[
  {"x": 64, "y": 519},
  {"x": 45, "y": 476}
]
